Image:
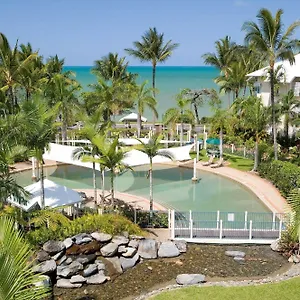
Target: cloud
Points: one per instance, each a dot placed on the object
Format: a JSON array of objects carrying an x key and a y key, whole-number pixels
[{"x": 240, "y": 3}]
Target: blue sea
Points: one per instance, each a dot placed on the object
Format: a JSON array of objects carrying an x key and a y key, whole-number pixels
[{"x": 169, "y": 81}]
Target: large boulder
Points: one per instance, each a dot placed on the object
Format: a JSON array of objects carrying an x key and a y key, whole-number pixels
[
  {"x": 97, "y": 279},
  {"x": 148, "y": 248},
  {"x": 58, "y": 255},
  {"x": 235, "y": 253},
  {"x": 181, "y": 245},
  {"x": 275, "y": 245},
  {"x": 77, "y": 279},
  {"x": 90, "y": 270},
  {"x": 187, "y": 279},
  {"x": 128, "y": 263},
  {"x": 101, "y": 237},
  {"x": 66, "y": 284},
  {"x": 85, "y": 259},
  {"x": 62, "y": 260},
  {"x": 42, "y": 256},
  {"x": 70, "y": 270},
  {"x": 89, "y": 248},
  {"x": 134, "y": 243},
  {"x": 73, "y": 250},
  {"x": 82, "y": 238},
  {"x": 115, "y": 261},
  {"x": 47, "y": 267},
  {"x": 53, "y": 247},
  {"x": 109, "y": 249},
  {"x": 120, "y": 240},
  {"x": 168, "y": 249}
]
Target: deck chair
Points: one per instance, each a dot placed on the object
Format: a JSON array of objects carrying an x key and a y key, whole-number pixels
[
  {"x": 218, "y": 164},
  {"x": 208, "y": 163}
]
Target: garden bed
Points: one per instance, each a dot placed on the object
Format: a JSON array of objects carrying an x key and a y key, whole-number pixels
[{"x": 209, "y": 260}]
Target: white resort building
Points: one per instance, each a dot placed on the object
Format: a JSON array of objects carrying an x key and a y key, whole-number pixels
[{"x": 290, "y": 79}]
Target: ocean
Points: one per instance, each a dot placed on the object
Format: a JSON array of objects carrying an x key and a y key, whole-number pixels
[{"x": 169, "y": 81}]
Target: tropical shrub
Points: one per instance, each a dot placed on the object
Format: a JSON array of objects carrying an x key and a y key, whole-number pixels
[
  {"x": 112, "y": 224},
  {"x": 284, "y": 175}
]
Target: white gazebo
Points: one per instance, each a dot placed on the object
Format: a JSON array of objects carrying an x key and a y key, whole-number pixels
[
  {"x": 55, "y": 196},
  {"x": 132, "y": 117}
]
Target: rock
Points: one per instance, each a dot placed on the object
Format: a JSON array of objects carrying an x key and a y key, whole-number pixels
[
  {"x": 275, "y": 246},
  {"x": 168, "y": 249},
  {"x": 62, "y": 260},
  {"x": 68, "y": 243},
  {"x": 133, "y": 243},
  {"x": 77, "y": 279},
  {"x": 73, "y": 250},
  {"x": 181, "y": 245},
  {"x": 85, "y": 259},
  {"x": 82, "y": 238},
  {"x": 68, "y": 271},
  {"x": 100, "y": 264},
  {"x": 116, "y": 264},
  {"x": 45, "y": 281},
  {"x": 186, "y": 279},
  {"x": 295, "y": 259},
  {"x": 96, "y": 279},
  {"x": 90, "y": 270},
  {"x": 239, "y": 259},
  {"x": 101, "y": 237},
  {"x": 58, "y": 255},
  {"x": 129, "y": 252},
  {"x": 122, "y": 249},
  {"x": 150, "y": 268},
  {"x": 291, "y": 259},
  {"x": 120, "y": 240},
  {"x": 109, "y": 249},
  {"x": 89, "y": 248},
  {"x": 136, "y": 237},
  {"x": 235, "y": 253},
  {"x": 128, "y": 263},
  {"x": 47, "y": 267},
  {"x": 68, "y": 261},
  {"x": 42, "y": 256},
  {"x": 53, "y": 247},
  {"x": 66, "y": 284},
  {"x": 148, "y": 248},
  {"x": 126, "y": 234}
]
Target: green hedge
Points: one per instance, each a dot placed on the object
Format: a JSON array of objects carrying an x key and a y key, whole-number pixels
[
  {"x": 112, "y": 224},
  {"x": 284, "y": 175}
]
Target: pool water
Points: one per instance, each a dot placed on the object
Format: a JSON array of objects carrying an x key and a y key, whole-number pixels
[{"x": 173, "y": 187}]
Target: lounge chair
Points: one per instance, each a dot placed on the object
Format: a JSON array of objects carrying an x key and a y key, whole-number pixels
[
  {"x": 208, "y": 163},
  {"x": 218, "y": 164}
]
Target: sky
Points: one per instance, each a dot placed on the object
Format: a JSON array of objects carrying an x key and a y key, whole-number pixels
[{"x": 82, "y": 31}]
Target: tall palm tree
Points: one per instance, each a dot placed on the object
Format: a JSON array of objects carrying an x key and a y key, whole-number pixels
[
  {"x": 152, "y": 48},
  {"x": 269, "y": 37},
  {"x": 153, "y": 148},
  {"x": 179, "y": 114},
  {"x": 144, "y": 99},
  {"x": 17, "y": 279},
  {"x": 288, "y": 108}
]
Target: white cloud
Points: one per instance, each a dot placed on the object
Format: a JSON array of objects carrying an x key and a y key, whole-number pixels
[{"x": 240, "y": 3}]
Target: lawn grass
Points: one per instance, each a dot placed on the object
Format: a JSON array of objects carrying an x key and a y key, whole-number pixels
[{"x": 286, "y": 290}]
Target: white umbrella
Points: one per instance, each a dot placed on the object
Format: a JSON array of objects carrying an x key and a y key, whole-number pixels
[
  {"x": 132, "y": 118},
  {"x": 55, "y": 195}
]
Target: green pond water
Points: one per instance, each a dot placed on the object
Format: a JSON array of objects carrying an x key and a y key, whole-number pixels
[{"x": 172, "y": 187}]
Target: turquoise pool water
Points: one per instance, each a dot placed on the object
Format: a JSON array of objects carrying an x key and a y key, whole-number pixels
[{"x": 172, "y": 187}]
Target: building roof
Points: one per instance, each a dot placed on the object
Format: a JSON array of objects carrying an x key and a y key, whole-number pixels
[
  {"x": 132, "y": 117},
  {"x": 290, "y": 71}
]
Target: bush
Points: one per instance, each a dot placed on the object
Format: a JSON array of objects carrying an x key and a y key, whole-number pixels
[
  {"x": 112, "y": 224},
  {"x": 284, "y": 175}
]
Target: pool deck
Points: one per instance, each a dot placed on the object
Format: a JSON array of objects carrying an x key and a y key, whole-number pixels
[{"x": 262, "y": 188}]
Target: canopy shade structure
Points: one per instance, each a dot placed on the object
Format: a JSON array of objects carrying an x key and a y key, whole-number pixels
[
  {"x": 213, "y": 141},
  {"x": 132, "y": 118},
  {"x": 55, "y": 196}
]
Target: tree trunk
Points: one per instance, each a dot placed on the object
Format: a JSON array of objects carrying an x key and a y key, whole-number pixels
[
  {"x": 64, "y": 131},
  {"x": 286, "y": 129},
  {"x": 274, "y": 129},
  {"x": 42, "y": 186},
  {"x": 196, "y": 113},
  {"x": 95, "y": 183},
  {"x": 221, "y": 143},
  {"x": 151, "y": 193},
  {"x": 112, "y": 188},
  {"x": 256, "y": 154},
  {"x": 139, "y": 125},
  {"x": 181, "y": 131},
  {"x": 236, "y": 93},
  {"x": 153, "y": 86},
  {"x": 103, "y": 189},
  {"x": 228, "y": 100}
]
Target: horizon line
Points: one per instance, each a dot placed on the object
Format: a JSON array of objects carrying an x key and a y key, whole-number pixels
[{"x": 191, "y": 66}]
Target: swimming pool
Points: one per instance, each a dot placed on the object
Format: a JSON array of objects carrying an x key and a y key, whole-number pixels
[{"x": 172, "y": 187}]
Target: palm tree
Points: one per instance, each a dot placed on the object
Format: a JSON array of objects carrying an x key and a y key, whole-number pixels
[
  {"x": 153, "y": 148},
  {"x": 152, "y": 49},
  {"x": 143, "y": 100},
  {"x": 256, "y": 117},
  {"x": 288, "y": 106},
  {"x": 294, "y": 203},
  {"x": 179, "y": 114},
  {"x": 269, "y": 37},
  {"x": 17, "y": 280}
]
